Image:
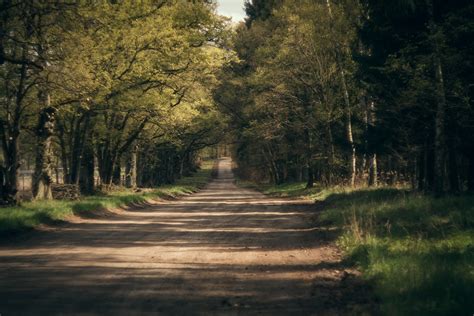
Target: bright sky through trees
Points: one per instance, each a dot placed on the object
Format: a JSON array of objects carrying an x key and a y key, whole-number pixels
[{"x": 232, "y": 8}]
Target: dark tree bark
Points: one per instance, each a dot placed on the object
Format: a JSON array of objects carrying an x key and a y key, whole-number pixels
[
  {"x": 332, "y": 155},
  {"x": 64, "y": 154},
  {"x": 72, "y": 144},
  {"x": 470, "y": 172},
  {"x": 9, "y": 133},
  {"x": 79, "y": 134},
  {"x": 440, "y": 137},
  {"x": 110, "y": 150},
  {"x": 429, "y": 169},
  {"x": 421, "y": 171},
  {"x": 310, "y": 181},
  {"x": 86, "y": 180},
  {"x": 454, "y": 182},
  {"x": 117, "y": 173},
  {"x": 42, "y": 177},
  {"x": 9, "y": 171}
]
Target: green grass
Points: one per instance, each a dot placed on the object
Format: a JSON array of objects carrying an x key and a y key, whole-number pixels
[
  {"x": 14, "y": 220},
  {"x": 416, "y": 250}
]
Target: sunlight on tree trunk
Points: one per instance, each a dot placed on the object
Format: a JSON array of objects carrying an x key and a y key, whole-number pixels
[
  {"x": 131, "y": 168},
  {"x": 350, "y": 137},
  {"x": 42, "y": 177}
]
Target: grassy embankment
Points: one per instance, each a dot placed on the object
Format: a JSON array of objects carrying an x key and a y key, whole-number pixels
[
  {"x": 31, "y": 214},
  {"x": 416, "y": 250}
]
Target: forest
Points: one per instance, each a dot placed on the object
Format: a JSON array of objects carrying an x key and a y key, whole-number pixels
[
  {"x": 364, "y": 107},
  {"x": 354, "y": 93},
  {"x": 342, "y": 92},
  {"x": 106, "y": 93}
]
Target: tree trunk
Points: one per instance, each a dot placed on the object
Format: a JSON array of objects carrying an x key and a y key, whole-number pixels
[
  {"x": 181, "y": 165},
  {"x": 86, "y": 179},
  {"x": 131, "y": 168},
  {"x": 117, "y": 173},
  {"x": 140, "y": 169},
  {"x": 454, "y": 183},
  {"x": 421, "y": 170},
  {"x": 470, "y": 171},
  {"x": 77, "y": 151},
  {"x": 9, "y": 172},
  {"x": 309, "y": 155},
  {"x": 350, "y": 139},
  {"x": 42, "y": 178},
  {"x": 310, "y": 182},
  {"x": 64, "y": 156},
  {"x": 271, "y": 165},
  {"x": 9, "y": 133},
  {"x": 106, "y": 164},
  {"x": 332, "y": 155},
  {"x": 171, "y": 168},
  {"x": 348, "y": 114},
  {"x": 439, "y": 174},
  {"x": 429, "y": 169},
  {"x": 372, "y": 181},
  {"x": 440, "y": 139},
  {"x": 276, "y": 172}
]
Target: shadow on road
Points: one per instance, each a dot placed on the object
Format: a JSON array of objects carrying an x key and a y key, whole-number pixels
[{"x": 223, "y": 250}]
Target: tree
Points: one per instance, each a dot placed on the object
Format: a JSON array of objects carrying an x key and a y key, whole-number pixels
[
  {"x": 418, "y": 71},
  {"x": 94, "y": 77}
]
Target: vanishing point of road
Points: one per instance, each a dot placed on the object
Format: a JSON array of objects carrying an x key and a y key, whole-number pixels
[{"x": 224, "y": 250}]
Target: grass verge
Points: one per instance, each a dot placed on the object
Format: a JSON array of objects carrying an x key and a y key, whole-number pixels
[
  {"x": 416, "y": 250},
  {"x": 14, "y": 220}
]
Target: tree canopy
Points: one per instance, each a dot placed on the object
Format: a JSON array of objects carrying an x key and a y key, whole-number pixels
[
  {"x": 354, "y": 92},
  {"x": 98, "y": 83}
]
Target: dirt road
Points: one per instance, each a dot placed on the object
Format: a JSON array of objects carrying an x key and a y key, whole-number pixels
[{"x": 224, "y": 250}]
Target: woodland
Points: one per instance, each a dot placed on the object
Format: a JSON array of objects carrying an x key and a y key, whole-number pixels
[
  {"x": 355, "y": 93},
  {"x": 334, "y": 92},
  {"x": 365, "y": 105},
  {"x": 108, "y": 88}
]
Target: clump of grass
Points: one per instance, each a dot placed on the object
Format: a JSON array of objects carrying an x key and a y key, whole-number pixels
[
  {"x": 16, "y": 219},
  {"x": 416, "y": 250}
]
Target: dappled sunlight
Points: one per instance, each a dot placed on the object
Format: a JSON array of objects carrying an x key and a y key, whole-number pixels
[{"x": 214, "y": 251}]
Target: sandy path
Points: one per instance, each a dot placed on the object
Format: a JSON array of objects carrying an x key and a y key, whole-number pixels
[{"x": 224, "y": 250}]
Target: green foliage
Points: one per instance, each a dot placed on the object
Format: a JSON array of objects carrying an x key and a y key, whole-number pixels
[
  {"x": 123, "y": 79},
  {"x": 285, "y": 94}
]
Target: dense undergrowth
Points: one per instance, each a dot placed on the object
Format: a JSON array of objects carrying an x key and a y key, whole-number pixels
[
  {"x": 16, "y": 219},
  {"x": 417, "y": 251}
]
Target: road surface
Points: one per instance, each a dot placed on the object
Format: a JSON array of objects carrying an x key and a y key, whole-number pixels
[{"x": 224, "y": 250}]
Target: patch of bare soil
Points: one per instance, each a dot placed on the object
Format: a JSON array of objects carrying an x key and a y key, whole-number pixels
[{"x": 224, "y": 250}]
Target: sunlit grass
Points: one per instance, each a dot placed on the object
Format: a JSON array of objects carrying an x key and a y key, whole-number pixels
[
  {"x": 31, "y": 214},
  {"x": 294, "y": 190},
  {"x": 418, "y": 251}
]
